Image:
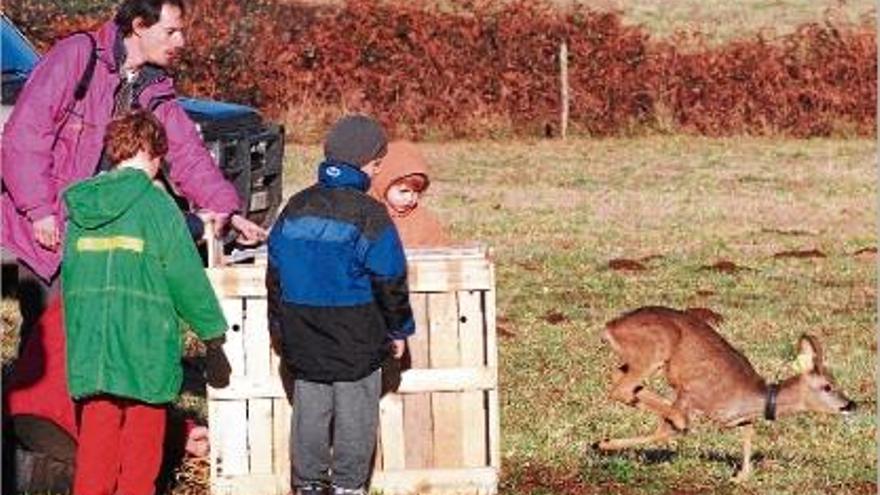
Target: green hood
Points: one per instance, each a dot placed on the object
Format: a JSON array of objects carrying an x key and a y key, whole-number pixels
[{"x": 96, "y": 202}]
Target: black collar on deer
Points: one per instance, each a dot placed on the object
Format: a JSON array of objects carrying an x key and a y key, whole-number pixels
[{"x": 770, "y": 405}]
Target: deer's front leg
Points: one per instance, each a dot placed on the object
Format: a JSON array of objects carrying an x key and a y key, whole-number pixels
[
  {"x": 664, "y": 432},
  {"x": 748, "y": 433}
]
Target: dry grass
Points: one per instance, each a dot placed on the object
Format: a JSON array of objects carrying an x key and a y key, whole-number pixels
[{"x": 720, "y": 21}]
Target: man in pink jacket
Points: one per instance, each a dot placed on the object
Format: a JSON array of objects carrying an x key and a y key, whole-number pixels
[{"x": 54, "y": 139}]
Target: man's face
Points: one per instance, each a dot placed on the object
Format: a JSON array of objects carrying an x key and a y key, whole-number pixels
[{"x": 161, "y": 43}]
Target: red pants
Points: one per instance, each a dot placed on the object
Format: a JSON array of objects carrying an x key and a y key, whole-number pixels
[{"x": 120, "y": 447}]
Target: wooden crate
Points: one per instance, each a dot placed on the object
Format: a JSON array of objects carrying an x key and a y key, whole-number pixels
[{"x": 439, "y": 432}]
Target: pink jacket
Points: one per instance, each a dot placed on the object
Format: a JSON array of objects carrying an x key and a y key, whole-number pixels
[{"x": 45, "y": 148}]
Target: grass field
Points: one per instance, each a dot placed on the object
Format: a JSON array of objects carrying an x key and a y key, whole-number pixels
[
  {"x": 721, "y": 21},
  {"x": 556, "y": 213}
]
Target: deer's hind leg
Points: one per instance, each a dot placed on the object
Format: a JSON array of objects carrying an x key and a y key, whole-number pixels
[{"x": 628, "y": 388}]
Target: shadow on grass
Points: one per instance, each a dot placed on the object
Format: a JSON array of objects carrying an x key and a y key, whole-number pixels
[{"x": 651, "y": 457}]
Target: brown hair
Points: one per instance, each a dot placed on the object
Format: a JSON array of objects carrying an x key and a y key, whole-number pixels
[
  {"x": 133, "y": 132},
  {"x": 148, "y": 10},
  {"x": 416, "y": 182}
]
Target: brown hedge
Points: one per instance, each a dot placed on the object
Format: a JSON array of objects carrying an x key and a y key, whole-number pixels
[{"x": 476, "y": 69}]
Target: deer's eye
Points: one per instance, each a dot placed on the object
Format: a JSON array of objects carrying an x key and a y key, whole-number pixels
[{"x": 826, "y": 388}]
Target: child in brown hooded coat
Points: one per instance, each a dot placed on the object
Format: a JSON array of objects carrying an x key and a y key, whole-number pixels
[{"x": 401, "y": 180}]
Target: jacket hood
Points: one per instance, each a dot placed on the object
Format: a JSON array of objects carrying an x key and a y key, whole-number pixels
[
  {"x": 95, "y": 202},
  {"x": 403, "y": 159}
]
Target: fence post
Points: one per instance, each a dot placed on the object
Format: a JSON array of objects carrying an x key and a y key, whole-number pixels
[{"x": 563, "y": 79}]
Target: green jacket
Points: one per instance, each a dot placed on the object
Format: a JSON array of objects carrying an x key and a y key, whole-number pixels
[{"x": 131, "y": 273}]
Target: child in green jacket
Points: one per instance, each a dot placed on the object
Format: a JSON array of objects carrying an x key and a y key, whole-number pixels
[{"x": 130, "y": 275}]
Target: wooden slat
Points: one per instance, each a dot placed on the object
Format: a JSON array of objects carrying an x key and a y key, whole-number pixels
[
  {"x": 472, "y": 345},
  {"x": 256, "y": 340},
  {"x": 492, "y": 362},
  {"x": 231, "y": 420},
  {"x": 448, "y": 275},
  {"x": 232, "y": 415},
  {"x": 233, "y": 309},
  {"x": 377, "y": 455},
  {"x": 425, "y": 273},
  {"x": 244, "y": 388},
  {"x": 418, "y": 343},
  {"x": 436, "y": 481},
  {"x": 258, "y": 368},
  {"x": 448, "y": 380},
  {"x": 238, "y": 281},
  {"x": 215, "y": 436},
  {"x": 411, "y": 382},
  {"x": 417, "y": 421},
  {"x": 259, "y": 424},
  {"x": 392, "y": 432},
  {"x": 281, "y": 412},
  {"x": 444, "y": 353},
  {"x": 477, "y": 251}
]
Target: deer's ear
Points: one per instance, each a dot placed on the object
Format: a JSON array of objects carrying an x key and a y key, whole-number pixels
[{"x": 809, "y": 355}]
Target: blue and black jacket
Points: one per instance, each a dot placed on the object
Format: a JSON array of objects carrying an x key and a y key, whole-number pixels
[{"x": 336, "y": 279}]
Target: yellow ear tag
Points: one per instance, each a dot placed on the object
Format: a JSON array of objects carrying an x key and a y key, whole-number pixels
[{"x": 802, "y": 364}]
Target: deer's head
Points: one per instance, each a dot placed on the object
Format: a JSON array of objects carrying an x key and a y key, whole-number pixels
[{"x": 815, "y": 387}]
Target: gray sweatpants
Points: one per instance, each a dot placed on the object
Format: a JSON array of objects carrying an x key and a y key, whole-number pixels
[{"x": 353, "y": 409}]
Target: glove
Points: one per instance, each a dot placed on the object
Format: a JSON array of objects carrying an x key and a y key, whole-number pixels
[{"x": 216, "y": 365}]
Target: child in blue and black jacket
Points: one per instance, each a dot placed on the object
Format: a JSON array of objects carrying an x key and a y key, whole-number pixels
[{"x": 338, "y": 304}]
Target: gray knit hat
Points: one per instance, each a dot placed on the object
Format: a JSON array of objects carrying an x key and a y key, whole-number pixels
[{"x": 355, "y": 139}]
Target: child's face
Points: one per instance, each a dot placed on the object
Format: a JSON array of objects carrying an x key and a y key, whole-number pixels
[{"x": 401, "y": 197}]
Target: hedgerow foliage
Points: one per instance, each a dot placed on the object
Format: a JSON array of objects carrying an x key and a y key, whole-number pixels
[{"x": 480, "y": 68}]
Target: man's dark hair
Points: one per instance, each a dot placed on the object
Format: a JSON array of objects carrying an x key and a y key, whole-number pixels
[{"x": 148, "y": 10}]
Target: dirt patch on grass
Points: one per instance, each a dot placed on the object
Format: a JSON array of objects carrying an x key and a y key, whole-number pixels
[
  {"x": 868, "y": 253},
  {"x": 505, "y": 327},
  {"x": 800, "y": 253},
  {"x": 791, "y": 232},
  {"x": 529, "y": 266},
  {"x": 555, "y": 317},
  {"x": 724, "y": 266},
  {"x": 626, "y": 265}
]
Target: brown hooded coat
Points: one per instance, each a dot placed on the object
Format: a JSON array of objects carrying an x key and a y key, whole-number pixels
[{"x": 418, "y": 227}]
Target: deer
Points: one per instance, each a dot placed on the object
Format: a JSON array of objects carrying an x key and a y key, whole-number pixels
[{"x": 708, "y": 377}]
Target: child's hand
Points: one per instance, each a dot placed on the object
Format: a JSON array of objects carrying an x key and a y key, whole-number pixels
[
  {"x": 197, "y": 442},
  {"x": 397, "y": 348},
  {"x": 217, "y": 366}
]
